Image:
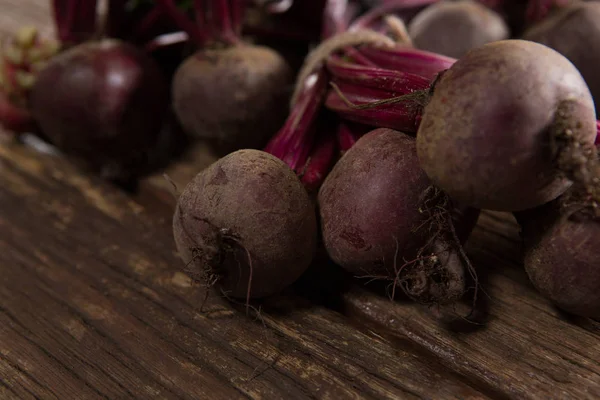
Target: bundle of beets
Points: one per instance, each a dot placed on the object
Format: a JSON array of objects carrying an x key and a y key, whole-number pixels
[{"x": 405, "y": 120}]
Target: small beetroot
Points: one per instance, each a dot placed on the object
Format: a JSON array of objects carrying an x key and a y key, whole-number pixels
[
  {"x": 246, "y": 224},
  {"x": 103, "y": 103}
]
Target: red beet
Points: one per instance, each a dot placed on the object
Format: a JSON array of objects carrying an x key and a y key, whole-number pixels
[
  {"x": 102, "y": 103},
  {"x": 452, "y": 28},
  {"x": 575, "y": 33},
  {"x": 246, "y": 224},
  {"x": 382, "y": 218},
  {"x": 562, "y": 249},
  {"x": 505, "y": 125},
  {"x": 230, "y": 92},
  {"x": 236, "y": 95}
]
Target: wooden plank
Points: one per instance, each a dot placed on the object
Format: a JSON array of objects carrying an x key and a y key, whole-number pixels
[
  {"x": 525, "y": 348},
  {"x": 93, "y": 304}
]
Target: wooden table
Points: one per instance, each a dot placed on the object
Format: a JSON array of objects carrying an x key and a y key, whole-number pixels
[{"x": 92, "y": 305}]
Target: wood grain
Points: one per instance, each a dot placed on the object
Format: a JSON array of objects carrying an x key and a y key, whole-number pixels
[
  {"x": 524, "y": 348},
  {"x": 92, "y": 304}
]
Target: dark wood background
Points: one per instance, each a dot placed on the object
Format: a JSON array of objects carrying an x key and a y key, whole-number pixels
[{"x": 92, "y": 306}]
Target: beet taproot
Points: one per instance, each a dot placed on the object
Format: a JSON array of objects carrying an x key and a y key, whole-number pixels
[
  {"x": 562, "y": 253},
  {"x": 236, "y": 96},
  {"x": 380, "y": 219},
  {"x": 574, "y": 32},
  {"x": 230, "y": 92},
  {"x": 103, "y": 103},
  {"x": 452, "y": 28},
  {"x": 246, "y": 224},
  {"x": 506, "y": 125}
]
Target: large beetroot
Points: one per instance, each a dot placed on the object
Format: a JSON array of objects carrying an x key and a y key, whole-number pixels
[
  {"x": 382, "y": 218},
  {"x": 506, "y": 124}
]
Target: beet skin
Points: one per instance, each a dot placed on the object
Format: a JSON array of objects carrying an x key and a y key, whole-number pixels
[
  {"x": 562, "y": 240},
  {"x": 375, "y": 218},
  {"x": 235, "y": 96},
  {"x": 104, "y": 103},
  {"x": 246, "y": 224},
  {"x": 491, "y": 134}
]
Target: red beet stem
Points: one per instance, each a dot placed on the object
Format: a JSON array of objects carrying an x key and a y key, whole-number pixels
[
  {"x": 200, "y": 12},
  {"x": 348, "y": 134},
  {"x": 222, "y": 19},
  {"x": 358, "y": 58},
  {"x": 337, "y": 16},
  {"x": 197, "y": 34},
  {"x": 237, "y": 16},
  {"x": 75, "y": 20},
  {"x": 394, "y": 82},
  {"x": 598, "y": 132},
  {"x": 418, "y": 62},
  {"x": 147, "y": 23},
  {"x": 402, "y": 115},
  {"x": 293, "y": 143},
  {"x": 320, "y": 161},
  {"x": 115, "y": 20},
  {"x": 388, "y": 7}
]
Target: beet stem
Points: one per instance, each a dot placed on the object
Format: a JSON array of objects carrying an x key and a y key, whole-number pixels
[
  {"x": 237, "y": 16},
  {"x": 376, "y": 107},
  {"x": 75, "y": 20},
  {"x": 377, "y": 78},
  {"x": 336, "y": 17},
  {"x": 115, "y": 19},
  {"x": 347, "y": 137},
  {"x": 150, "y": 19},
  {"x": 410, "y": 60},
  {"x": 320, "y": 161},
  {"x": 293, "y": 143},
  {"x": 222, "y": 17},
  {"x": 196, "y": 34},
  {"x": 316, "y": 58},
  {"x": 358, "y": 57},
  {"x": 388, "y": 7}
]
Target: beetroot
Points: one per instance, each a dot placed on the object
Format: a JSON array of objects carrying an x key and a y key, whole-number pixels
[
  {"x": 562, "y": 240},
  {"x": 575, "y": 33},
  {"x": 505, "y": 125},
  {"x": 230, "y": 92},
  {"x": 235, "y": 95},
  {"x": 382, "y": 219},
  {"x": 452, "y": 28},
  {"x": 103, "y": 103},
  {"x": 246, "y": 224}
]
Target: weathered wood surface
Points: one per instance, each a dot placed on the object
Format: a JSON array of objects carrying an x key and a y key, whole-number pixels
[
  {"x": 92, "y": 306},
  {"x": 522, "y": 348}
]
